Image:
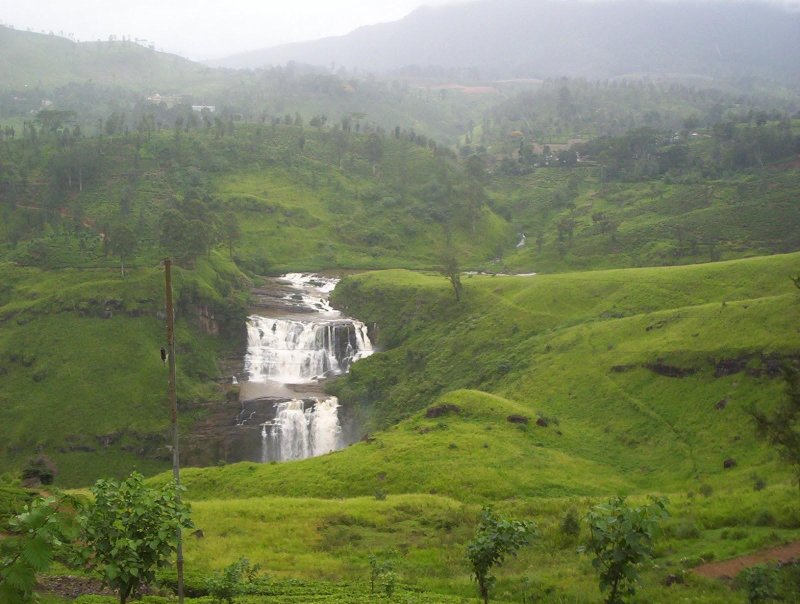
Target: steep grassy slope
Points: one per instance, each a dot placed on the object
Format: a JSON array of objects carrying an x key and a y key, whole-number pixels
[{"x": 83, "y": 382}]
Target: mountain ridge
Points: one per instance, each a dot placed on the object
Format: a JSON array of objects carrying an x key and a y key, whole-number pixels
[{"x": 511, "y": 38}]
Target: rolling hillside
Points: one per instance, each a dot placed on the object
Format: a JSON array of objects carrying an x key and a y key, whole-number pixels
[
  {"x": 47, "y": 61},
  {"x": 535, "y": 394}
]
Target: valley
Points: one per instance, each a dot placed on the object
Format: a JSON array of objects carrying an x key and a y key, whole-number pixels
[{"x": 407, "y": 300}]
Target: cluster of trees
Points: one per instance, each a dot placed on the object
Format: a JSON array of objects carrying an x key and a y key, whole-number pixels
[
  {"x": 561, "y": 109},
  {"x": 646, "y": 153},
  {"x": 621, "y": 539}
]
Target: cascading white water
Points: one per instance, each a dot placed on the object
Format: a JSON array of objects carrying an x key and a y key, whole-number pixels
[
  {"x": 297, "y": 432},
  {"x": 314, "y": 342},
  {"x": 296, "y": 351}
]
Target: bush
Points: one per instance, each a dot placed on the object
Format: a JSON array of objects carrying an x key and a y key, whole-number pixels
[
  {"x": 621, "y": 539},
  {"x": 570, "y": 523},
  {"x": 495, "y": 539},
  {"x": 130, "y": 530},
  {"x": 764, "y": 518},
  {"x": 237, "y": 579},
  {"x": 760, "y": 583}
]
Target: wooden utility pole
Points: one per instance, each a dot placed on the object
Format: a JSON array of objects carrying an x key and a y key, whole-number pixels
[{"x": 173, "y": 405}]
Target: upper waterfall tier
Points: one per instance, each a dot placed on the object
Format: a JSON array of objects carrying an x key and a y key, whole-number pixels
[{"x": 294, "y": 351}]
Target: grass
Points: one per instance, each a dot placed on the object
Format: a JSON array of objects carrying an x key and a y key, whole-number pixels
[
  {"x": 89, "y": 391},
  {"x": 584, "y": 353}
]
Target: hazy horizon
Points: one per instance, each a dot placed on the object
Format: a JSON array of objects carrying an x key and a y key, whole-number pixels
[{"x": 200, "y": 31}]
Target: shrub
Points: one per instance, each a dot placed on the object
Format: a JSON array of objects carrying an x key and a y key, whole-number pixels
[
  {"x": 760, "y": 583},
  {"x": 237, "y": 579},
  {"x": 34, "y": 537},
  {"x": 622, "y": 538},
  {"x": 130, "y": 531},
  {"x": 495, "y": 539},
  {"x": 382, "y": 572},
  {"x": 570, "y": 523}
]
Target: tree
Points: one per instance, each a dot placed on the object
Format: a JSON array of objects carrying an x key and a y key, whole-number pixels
[
  {"x": 621, "y": 538},
  {"x": 231, "y": 231},
  {"x": 122, "y": 242},
  {"x": 130, "y": 531},
  {"x": 475, "y": 193},
  {"x": 34, "y": 537},
  {"x": 449, "y": 268},
  {"x": 781, "y": 426},
  {"x": 495, "y": 538}
]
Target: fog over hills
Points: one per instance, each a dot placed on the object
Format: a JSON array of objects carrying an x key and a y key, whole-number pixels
[
  {"x": 547, "y": 38},
  {"x": 32, "y": 60}
]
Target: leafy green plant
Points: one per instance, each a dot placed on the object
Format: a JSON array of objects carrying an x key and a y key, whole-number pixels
[
  {"x": 570, "y": 523},
  {"x": 495, "y": 538},
  {"x": 130, "y": 530},
  {"x": 382, "y": 572},
  {"x": 760, "y": 582},
  {"x": 237, "y": 579},
  {"x": 621, "y": 538},
  {"x": 36, "y": 536}
]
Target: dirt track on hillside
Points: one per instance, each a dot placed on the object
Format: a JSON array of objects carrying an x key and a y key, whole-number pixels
[{"x": 731, "y": 568}]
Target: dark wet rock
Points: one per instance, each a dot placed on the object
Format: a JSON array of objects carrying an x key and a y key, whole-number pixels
[
  {"x": 517, "y": 419},
  {"x": 106, "y": 440},
  {"x": 721, "y": 404},
  {"x": 542, "y": 422},
  {"x": 440, "y": 410},
  {"x": 729, "y": 463},
  {"x": 112, "y": 304},
  {"x": 671, "y": 580},
  {"x": 670, "y": 370},
  {"x": 656, "y": 325},
  {"x": 725, "y": 367}
]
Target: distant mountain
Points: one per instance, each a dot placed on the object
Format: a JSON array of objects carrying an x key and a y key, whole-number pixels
[
  {"x": 550, "y": 38},
  {"x": 46, "y": 61}
]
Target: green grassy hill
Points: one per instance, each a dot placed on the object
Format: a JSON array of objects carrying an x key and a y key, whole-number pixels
[
  {"x": 631, "y": 381},
  {"x": 83, "y": 381},
  {"x": 48, "y": 61}
]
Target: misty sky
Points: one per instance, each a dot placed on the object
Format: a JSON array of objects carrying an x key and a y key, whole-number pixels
[{"x": 202, "y": 29}]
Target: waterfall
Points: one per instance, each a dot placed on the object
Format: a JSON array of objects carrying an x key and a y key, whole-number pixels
[
  {"x": 288, "y": 355},
  {"x": 292, "y": 351},
  {"x": 297, "y": 432}
]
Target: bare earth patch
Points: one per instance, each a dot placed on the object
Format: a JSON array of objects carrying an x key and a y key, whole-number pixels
[{"x": 731, "y": 568}]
